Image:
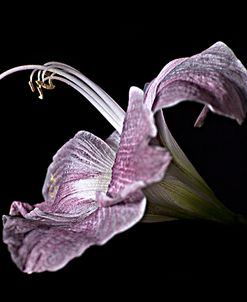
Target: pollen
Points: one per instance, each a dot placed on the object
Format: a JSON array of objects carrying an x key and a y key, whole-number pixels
[
  {"x": 53, "y": 191},
  {"x": 40, "y": 85},
  {"x": 31, "y": 86},
  {"x": 52, "y": 178}
]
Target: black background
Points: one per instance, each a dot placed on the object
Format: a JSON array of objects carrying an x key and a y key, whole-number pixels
[{"x": 117, "y": 56}]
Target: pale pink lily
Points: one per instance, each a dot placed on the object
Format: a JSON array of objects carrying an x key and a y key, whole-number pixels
[{"x": 95, "y": 189}]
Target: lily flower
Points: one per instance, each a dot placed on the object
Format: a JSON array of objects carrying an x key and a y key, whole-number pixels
[{"x": 95, "y": 189}]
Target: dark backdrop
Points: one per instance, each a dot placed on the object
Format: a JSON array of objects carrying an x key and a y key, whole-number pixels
[{"x": 117, "y": 56}]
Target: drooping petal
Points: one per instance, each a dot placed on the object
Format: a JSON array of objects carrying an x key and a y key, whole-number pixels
[
  {"x": 80, "y": 168},
  {"x": 215, "y": 78},
  {"x": 137, "y": 163},
  {"x": 151, "y": 88},
  {"x": 48, "y": 235},
  {"x": 18, "y": 208},
  {"x": 47, "y": 245}
]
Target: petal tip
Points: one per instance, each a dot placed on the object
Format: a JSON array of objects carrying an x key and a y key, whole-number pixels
[
  {"x": 4, "y": 219},
  {"x": 136, "y": 93}
]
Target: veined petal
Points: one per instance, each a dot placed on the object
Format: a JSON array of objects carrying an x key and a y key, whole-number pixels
[
  {"x": 48, "y": 235},
  {"x": 47, "y": 245},
  {"x": 80, "y": 168},
  {"x": 137, "y": 163},
  {"x": 151, "y": 89},
  {"x": 39, "y": 236},
  {"x": 215, "y": 78}
]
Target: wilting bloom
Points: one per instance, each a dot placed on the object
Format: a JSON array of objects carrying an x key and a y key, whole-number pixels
[{"x": 95, "y": 189}]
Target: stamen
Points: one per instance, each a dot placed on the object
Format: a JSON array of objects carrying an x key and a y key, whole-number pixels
[
  {"x": 48, "y": 86},
  {"x": 69, "y": 75},
  {"x": 31, "y": 86},
  {"x": 41, "y": 96},
  {"x": 108, "y": 107},
  {"x": 107, "y": 99}
]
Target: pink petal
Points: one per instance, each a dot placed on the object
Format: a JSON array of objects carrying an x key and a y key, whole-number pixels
[
  {"x": 215, "y": 78},
  {"x": 48, "y": 235},
  {"x": 80, "y": 168},
  {"x": 39, "y": 245},
  {"x": 151, "y": 90},
  {"x": 137, "y": 163}
]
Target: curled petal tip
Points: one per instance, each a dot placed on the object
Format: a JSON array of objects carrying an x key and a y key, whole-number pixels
[
  {"x": 215, "y": 77},
  {"x": 4, "y": 219}
]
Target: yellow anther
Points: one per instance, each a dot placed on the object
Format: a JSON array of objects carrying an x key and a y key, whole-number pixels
[
  {"x": 39, "y": 83},
  {"x": 41, "y": 96},
  {"x": 48, "y": 86},
  {"x": 52, "y": 178},
  {"x": 31, "y": 86},
  {"x": 52, "y": 191}
]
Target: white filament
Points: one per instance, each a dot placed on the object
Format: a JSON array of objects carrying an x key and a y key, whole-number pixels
[{"x": 72, "y": 77}]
